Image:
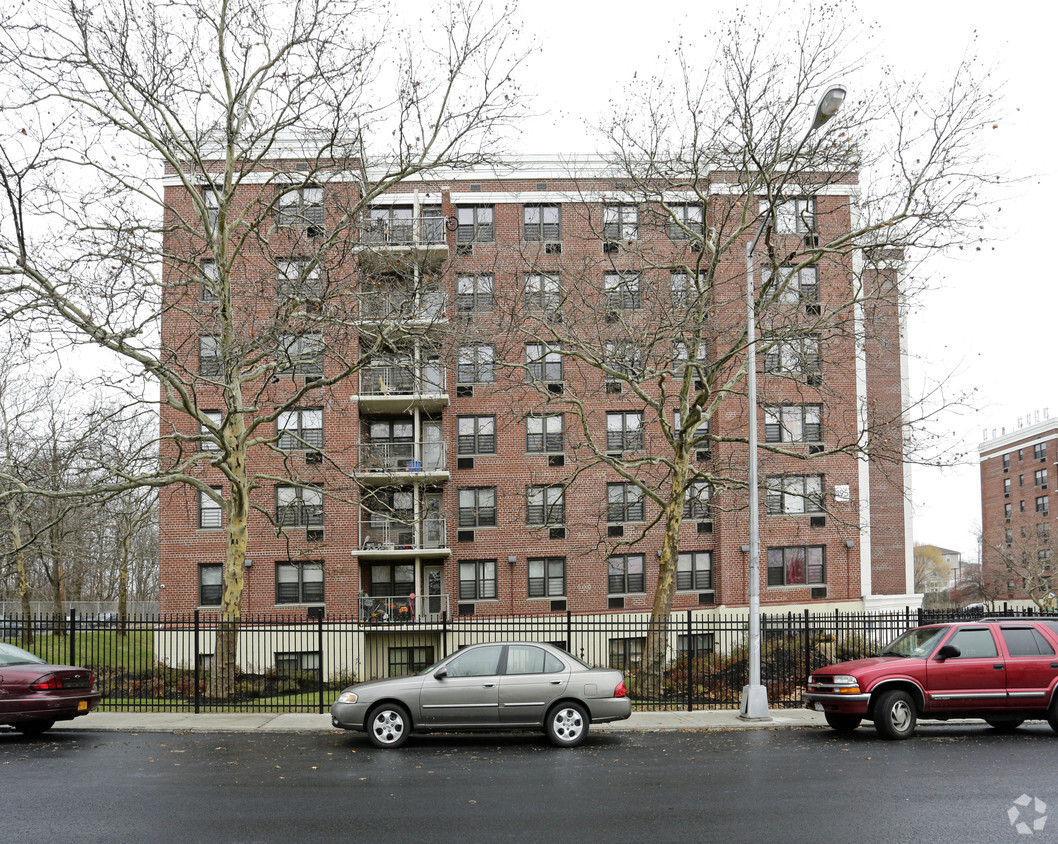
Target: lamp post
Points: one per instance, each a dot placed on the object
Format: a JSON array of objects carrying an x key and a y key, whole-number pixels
[{"x": 754, "y": 705}]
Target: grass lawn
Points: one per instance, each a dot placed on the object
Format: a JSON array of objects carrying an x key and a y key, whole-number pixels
[{"x": 134, "y": 651}]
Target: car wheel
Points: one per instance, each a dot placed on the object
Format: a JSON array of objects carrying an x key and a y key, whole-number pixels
[
  {"x": 1004, "y": 726},
  {"x": 388, "y": 725},
  {"x": 35, "y": 728},
  {"x": 895, "y": 716},
  {"x": 567, "y": 724},
  {"x": 842, "y": 723}
]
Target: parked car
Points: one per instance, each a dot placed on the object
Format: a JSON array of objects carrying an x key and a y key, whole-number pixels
[
  {"x": 35, "y": 694},
  {"x": 496, "y": 686},
  {"x": 1002, "y": 670}
]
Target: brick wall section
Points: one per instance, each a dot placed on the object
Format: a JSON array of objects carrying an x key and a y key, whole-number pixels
[{"x": 511, "y": 469}]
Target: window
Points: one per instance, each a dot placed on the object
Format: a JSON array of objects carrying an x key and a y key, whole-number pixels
[
  {"x": 802, "y": 286},
  {"x": 474, "y": 293},
  {"x": 624, "y": 503},
  {"x": 622, "y": 291},
  {"x": 796, "y": 565},
  {"x": 410, "y": 660},
  {"x": 685, "y": 222},
  {"x": 696, "y": 643},
  {"x": 694, "y": 571},
  {"x": 626, "y": 654},
  {"x": 1008, "y": 511},
  {"x": 299, "y": 583},
  {"x": 547, "y": 577},
  {"x": 299, "y": 506},
  {"x": 210, "y": 281},
  {"x": 1021, "y": 480},
  {"x": 301, "y": 206},
  {"x": 624, "y": 574},
  {"x": 624, "y": 431},
  {"x": 544, "y": 434},
  {"x": 211, "y": 199},
  {"x": 545, "y": 505},
  {"x": 620, "y": 222},
  {"x": 792, "y": 494},
  {"x": 1021, "y": 506},
  {"x": 210, "y": 363},
  {"x": 477, "y": 580},
  {"x": 683, "y": 360},
  {"x": 1043, "y": 532},
  {"x": 477, "y": 507},
  {"x": 300, "y": 429},
  {"x": 1006, "y": 462},
  {"x": 480, "y": 662},
  {"x": 475, "y": 365},
  {"x": 974, "y": 643},
  {"x": 696, "y": 501},
  {"x": 684, "y": 289},
  {"x": 541, "y": 222},
  {"x": 529, "y": 659},
  {"x": 1041, "y": 478},
  {"x": 1039, "y": 452},
  {"x": 1009, "y": 536},
  {"x": 301, "y": 354},
  {"x": 1025, "y": 641},
  {"x": 1044, "y": 556},
  {"x": 210, "y": 585},
  {"x": 1042, "y": 505},
  {"x": 476, "y": 434},
  {"x": 208, "y": 440},
  {"x": 1006, "y": 487},
  {"x": 298, "y": 279},
  {"x": 391, "y": 224},
  {"x": 290, "y": 663},
  {"x": 799, "y": 355},
  {"x": 392, "y": 581},
  {"x": 625, "y": 359},
  {"x": 700, "y": 439},
  {"x": 794, "y": 216},
  {"x": 543, "y": 292},
  {"x": 543, "y": 362},
  {"x": 210, "y": 511},
  {"x": 793, "y": 423},
  {"x": 474, "y": 224}
]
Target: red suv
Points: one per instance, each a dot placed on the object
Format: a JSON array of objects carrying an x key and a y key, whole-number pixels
[{"x": 1002, "y": 670}]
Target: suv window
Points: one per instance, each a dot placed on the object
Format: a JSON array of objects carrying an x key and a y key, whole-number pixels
[
  {"x": 1026, "y": 641},
  {"x": 975, "y": 642}
]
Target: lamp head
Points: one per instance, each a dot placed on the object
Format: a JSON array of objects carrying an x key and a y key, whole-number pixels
[{"x": 828, "y": 106}]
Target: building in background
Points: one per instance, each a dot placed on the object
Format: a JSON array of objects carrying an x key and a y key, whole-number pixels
[
  {"x": 449, "y": 475},
  {"x": 1018, "y": 512}
]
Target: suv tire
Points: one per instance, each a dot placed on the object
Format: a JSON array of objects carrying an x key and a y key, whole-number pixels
[
  {"x": 895, "y": 716},
  {"x": 842, "y": 723}
]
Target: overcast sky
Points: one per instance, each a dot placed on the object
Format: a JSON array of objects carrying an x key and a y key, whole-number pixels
[{"x": 990, "y": 319}]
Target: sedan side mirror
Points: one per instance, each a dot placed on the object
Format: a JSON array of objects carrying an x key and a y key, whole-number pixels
[
  {"x": 440, "y": 674},
  {"x": 948, "y": 652}
]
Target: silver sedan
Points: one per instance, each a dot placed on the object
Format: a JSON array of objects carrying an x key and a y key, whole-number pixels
[{"x": 496, "y": 686}]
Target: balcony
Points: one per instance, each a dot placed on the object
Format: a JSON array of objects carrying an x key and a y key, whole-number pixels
[
  {"x": 402, "y": 609},
  {"x": 394, "y": 387},
  {"x": 391, "y": 305},
  {"x": 384, "y": 537},
  {"x": 398, "y": 240},
  {"x": 402, "y": 462}
]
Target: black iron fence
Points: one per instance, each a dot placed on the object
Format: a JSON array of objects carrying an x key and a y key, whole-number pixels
[{"x": 288, "y": 664}]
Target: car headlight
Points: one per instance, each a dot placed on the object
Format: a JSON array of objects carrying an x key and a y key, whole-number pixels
[
  {"x": 347, "y": 697},
  {"x": 844, "y": 680}
]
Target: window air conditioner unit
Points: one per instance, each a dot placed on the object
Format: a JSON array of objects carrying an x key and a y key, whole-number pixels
[
  {"x": 706, "y": 597},
  {"x": 556, "y": 533},
  {"x": 465, "y": 249},
  {"x": 609, "y": 248},
  {"x": 558, "y": 606},
  {"x": 464, "y": 462},
  {"x": 464, "y": 536},
  {"x": 555, "y": 389},
  {"x": 615, "y": 531},
  {"x": 552, "y": 248},
  {"x": 464, "y": 391},
  {"x": 556, "y": 461},
  {"x": 615, "y": 604},
  {"x": 705, "y": 527},
  {"x": 819, "y": 591},
  {"x": 465, "y": 609},
  {"x": 817, "y": 521},
  {"x": 314, "y": 535}
]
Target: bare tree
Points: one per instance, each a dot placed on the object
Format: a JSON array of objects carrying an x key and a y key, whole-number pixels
[
  {"x": 1022, "y": 563},
  {"x": 226, "y": 97},
  {"x": 701, "y": 159}
]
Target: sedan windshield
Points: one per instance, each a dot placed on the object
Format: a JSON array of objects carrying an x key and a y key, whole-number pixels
[
  {"x": 10, "y": 655},
  {"x": 915, "y": 643}
]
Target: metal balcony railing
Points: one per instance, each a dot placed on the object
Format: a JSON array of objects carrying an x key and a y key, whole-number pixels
[
  {"x": 392, "y": 304},
  {"x": 402, "y": 379},
  {"x": 402, "y": 457},
  {"x": 381, "y": 533},
  {"x": 411, "y": 231},
  {"x": 398, "y": 609}
]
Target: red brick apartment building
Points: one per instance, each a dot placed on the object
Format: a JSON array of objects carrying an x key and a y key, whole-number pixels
[
  {"x": 452, "y": 473},
  {"x": 1018, "y": 509}
]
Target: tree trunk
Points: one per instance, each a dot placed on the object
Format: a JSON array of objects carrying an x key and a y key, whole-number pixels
[
  {"x": 20, "y": 569},
  {"x": 123, "y": 577}
]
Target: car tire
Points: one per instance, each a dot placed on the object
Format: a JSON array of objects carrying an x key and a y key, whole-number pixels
[
  {"x": 842, "y": 723},
  {"x": 35, "y": 727},
  {"x": 388, "y": 726},
  {"x": 567, "y": 724},
  {"x": 895, "y": 716},
  {"x": 1004, "y": 726}
]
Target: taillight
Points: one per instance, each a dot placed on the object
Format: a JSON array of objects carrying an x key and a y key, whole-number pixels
[
  {"x": 620, "y": 691},
  {"x": 47, "y": 683}
]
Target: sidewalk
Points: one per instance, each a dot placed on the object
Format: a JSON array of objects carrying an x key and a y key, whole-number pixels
[{"x": 296, "y": 722}]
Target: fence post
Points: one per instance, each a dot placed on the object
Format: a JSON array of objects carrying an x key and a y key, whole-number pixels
[
  {"x": 73, "y": 639},
  {"x": 444, "y": 634},
  {"x": 319, "y": 666},
  {"x": 691, "y": 653},
  {"x": 808, "y": 647},
  {"x": 569, "y": 630},
  {"x": 198, "y": 670}
]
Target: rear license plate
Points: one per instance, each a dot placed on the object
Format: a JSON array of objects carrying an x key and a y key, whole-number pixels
[{"x": 82, "y": 706}]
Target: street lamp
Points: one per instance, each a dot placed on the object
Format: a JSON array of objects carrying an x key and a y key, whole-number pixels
[{"x": 755, "y": 696}]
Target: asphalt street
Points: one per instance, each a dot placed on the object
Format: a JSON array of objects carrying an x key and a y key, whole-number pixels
[{"x": 949, "y": 783}]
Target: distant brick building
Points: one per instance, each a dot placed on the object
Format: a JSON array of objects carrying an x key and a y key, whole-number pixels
[
  {"x": 1018, "y": 507},
  {"x": 433, "y": 481}
]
